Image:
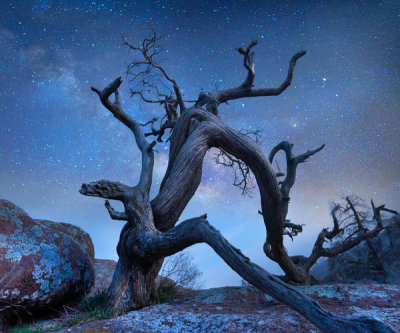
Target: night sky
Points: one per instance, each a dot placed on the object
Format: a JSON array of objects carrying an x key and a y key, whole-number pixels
[{"x": 55, "y": 134}]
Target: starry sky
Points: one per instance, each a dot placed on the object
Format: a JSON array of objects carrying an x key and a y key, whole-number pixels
[{"x": 55, "y": 134}]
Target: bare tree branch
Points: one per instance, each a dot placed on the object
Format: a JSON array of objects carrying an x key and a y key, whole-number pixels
[
  {"x": 152, "y": 121},
  {"x": 355, "y": 214},
  {"x": 361, "y": 233},
  {"x": 288, "y": 224},
  {"x": 336, "y": 230},
  {"x": 248, "y": 63},
  {"x": 318, "y": 249},
  {"x": 198, "y": 230},
  {"x": 377, "y": 212},
  {"x": 114, "y": 214},
  {"x": 246, "y": 90},
  {"x": 212, "y": 100},
  {"x": 243, "y": 176},
  {"x": 145, "y": 148},
  {"x": 160, "y": 132},
  {"x": 147, "y": 100},
  {"x": 149, "y": 50},
  {"x": 105, "y": 189},
  {"x": 291, "y": 167}
]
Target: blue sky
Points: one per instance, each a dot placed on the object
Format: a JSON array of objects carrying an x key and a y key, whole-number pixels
[{"x": 55, "y": 135}]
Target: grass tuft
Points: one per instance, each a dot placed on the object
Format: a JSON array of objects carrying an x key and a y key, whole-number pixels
[{"x": 90, "y": 308}]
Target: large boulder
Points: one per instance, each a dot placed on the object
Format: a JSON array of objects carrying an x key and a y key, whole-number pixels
[
  {"x": 42, "y": 263},
  {"x": 79, "y": 236}
]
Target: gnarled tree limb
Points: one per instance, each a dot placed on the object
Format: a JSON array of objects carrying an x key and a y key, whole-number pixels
[
  {"x": 291, "y": 167},
  {"x": 246, "y": 90},
  {"x": 145, "y": 147},
  {"x": 105, "y": 189},
  {"x": 198, "y": 230},
  {"x": 183, "y": 176},
  {"x": 361, "y": 233},
  {"x": 114, "y": 214}
]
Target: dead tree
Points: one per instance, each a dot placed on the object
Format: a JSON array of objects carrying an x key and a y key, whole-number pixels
[
  {"x": 181, "y": 269},
  {"x": 297, "y": 268},
  {"x": 355, "y": 220},
  {"x": 150, "y": 234}
]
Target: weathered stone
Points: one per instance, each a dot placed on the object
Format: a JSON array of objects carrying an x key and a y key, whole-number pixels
[
  {"x": 78, "y": 234},
  {"x": 245, "y": 309},
  {"x": 104, "y": 272},
  {"x": 42, "y": 264},
  {"x": 165, "y": 283}
]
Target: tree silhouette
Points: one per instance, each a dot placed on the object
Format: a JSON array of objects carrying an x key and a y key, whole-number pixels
[{"x": 150, "y": 232}]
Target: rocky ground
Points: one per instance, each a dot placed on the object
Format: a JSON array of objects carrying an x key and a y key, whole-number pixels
[
  {"x": 32, "y": 249},
  {"x": 245, "y": 309}
]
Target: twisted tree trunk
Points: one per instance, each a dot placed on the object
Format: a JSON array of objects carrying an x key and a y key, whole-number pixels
[{"x": 150, "y": 234}]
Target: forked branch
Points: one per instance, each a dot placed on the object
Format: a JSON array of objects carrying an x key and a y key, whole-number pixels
[
  {"x": 291, "y": 168},
  {"x": 248, "y": 63},
  {"x": 145, "y": 147},
  {"x": 361, "y": 232},
  {"x": 168, "y": 124},
  {"x": 246, "y": 88},
  {"x": 212, "y": 100},
  {"x": 149, "y": 49},
  {"x": 243, "y": 177},
  {"x": 114, "y": 214}
]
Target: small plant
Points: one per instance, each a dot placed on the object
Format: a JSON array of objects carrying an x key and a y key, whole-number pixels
[
  {"x": 162, "y": 295},
  {"x": 90, "y": 308},
  {"x": 95, "y": 302},
  {"x": 27, "y": 329},
  {"x": 181, "y": 269}
]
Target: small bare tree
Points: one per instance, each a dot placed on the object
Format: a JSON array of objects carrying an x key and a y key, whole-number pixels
[
  {"x": 181, "y": 269},
  {"x": 355, "y": 220},
  {"x": 352, "y": 223},
  {"x": 150, "y": 233}
]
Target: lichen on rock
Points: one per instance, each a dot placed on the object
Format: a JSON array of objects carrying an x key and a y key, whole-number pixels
[{"x": 42, "y": 265}]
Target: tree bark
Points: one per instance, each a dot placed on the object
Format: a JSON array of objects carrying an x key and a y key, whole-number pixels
[
  {"x": 198, "y": 230},
  {"x": 183, "y": 176},
  {"x": 150, "y": 235}
]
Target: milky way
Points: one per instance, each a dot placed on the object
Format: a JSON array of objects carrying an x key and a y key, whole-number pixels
[{"x": 55, "y": 135}]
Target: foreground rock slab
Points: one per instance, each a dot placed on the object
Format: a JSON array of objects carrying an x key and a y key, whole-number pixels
[
  {"x": 245, "y": 309},
  {"x": 42, "y": 263}
]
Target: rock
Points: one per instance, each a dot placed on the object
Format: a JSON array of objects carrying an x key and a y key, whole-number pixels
[
  {"x": 104, "y": 272},
  {"x": 165, "y": 283},
  {"x": 245, "y": 309},
  {"x": 78, "y": 234},
  {"x": 42, "y": 264}
]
